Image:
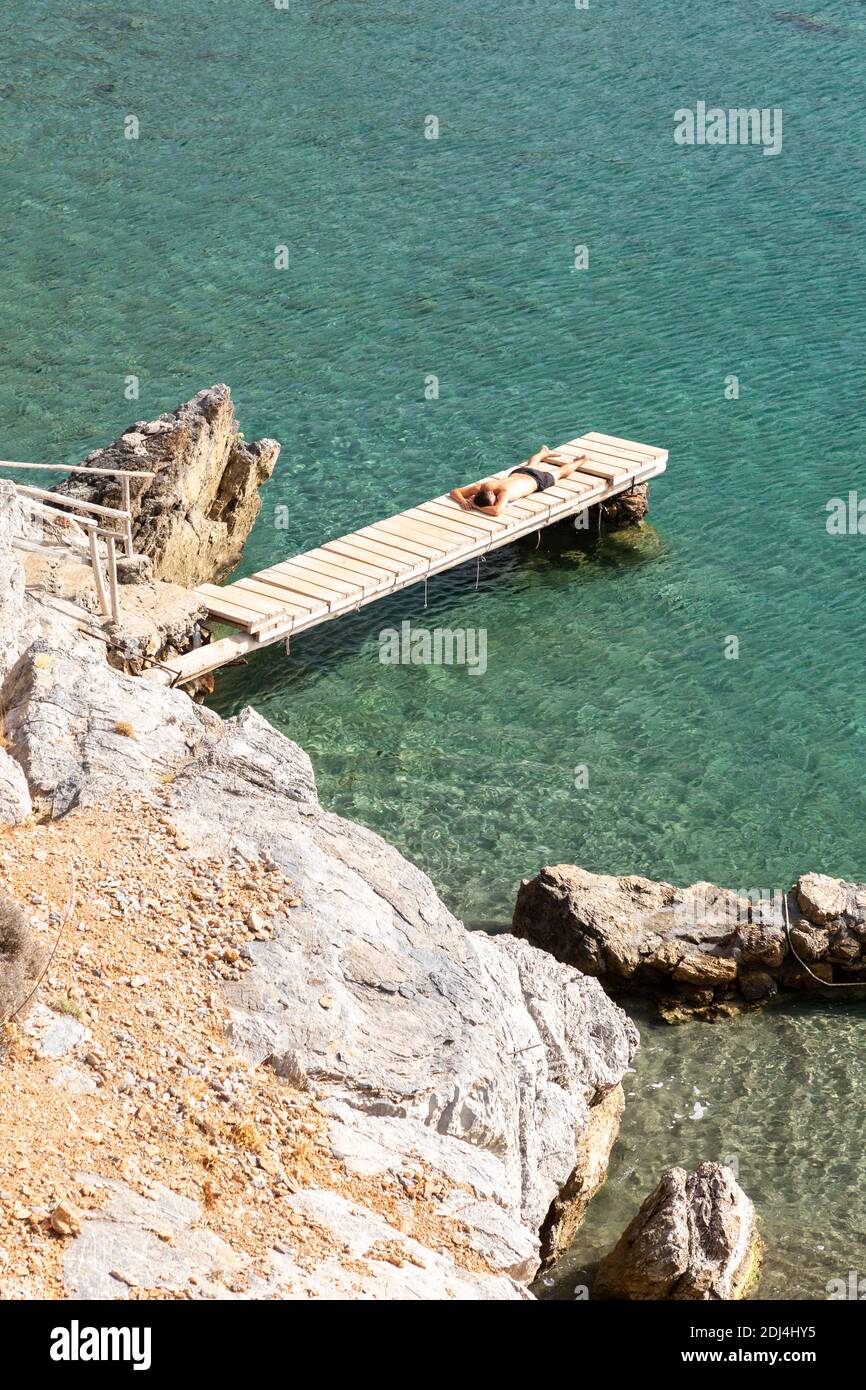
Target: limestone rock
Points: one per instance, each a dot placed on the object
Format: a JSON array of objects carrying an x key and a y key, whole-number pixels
[
  {"x": 66, "y": 712},
  {"x": 820, "y": 897},
  {"x": 761, "y": 946},
  {"x": 146, "y": 1240},
  {"x": 74, "y": 1081},
  {"x": 54, "y": 1034},
  {"x": 15, "y": 805},
  {"x": 809, "y": 943},
  {"x": 65, "y": 1219},
  {"x": 152, "y": 1240},
  {"x": 700, "y": 950},
  {"x": 593, "y": 1153},
  {"x": 191, "y": 519},
  {"x": 694, "y": 1238},
  {"x": 632, "y": 931},
  {"x": 628, "y": 508},
  {"x": 484, "y": 1047},
  {"x": 397, "y": 1267}
]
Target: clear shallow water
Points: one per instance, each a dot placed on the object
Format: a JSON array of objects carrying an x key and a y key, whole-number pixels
[
  {"x": 454, "y": 257},
  {"x": 777, "y": 1095}
]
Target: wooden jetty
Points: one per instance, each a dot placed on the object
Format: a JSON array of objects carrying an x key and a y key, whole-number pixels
[{"x": 344, "y": 574}]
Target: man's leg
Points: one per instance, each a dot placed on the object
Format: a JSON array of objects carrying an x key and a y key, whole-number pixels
[{"x": 539, "y": 457}]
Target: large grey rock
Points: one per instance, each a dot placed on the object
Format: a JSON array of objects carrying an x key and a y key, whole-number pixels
[
  {"x": 568, "y": 1209},
  {"x": 695, "y": 1237},
  {"x": 821, "y": 898},
  {"x": 152, "y": 1240},
  {"x": 397, "y": 1267},
  {"x": 698, "y": 950},
  {"x": 54, "y": 1034},
  {"x": 374, "y": 993},
  {"x": 481, "y": 1059},
  {"x": 13, "y": 607},
  {"x": 79, "y": 728},
  {"x": 147, "y": 1241},
  {"x": 15, "y": 804},
  {"x": 191, "y": 519}
]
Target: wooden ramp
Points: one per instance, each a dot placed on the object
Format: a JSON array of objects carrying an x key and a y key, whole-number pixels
[{"x": 351, "y": 571}]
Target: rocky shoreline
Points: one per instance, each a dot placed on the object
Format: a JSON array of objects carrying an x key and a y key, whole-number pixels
[
  {"x": 700, "y": 951},
  {"x": 360, "y": 1098},
  {"x": 484, "y": 1063}
]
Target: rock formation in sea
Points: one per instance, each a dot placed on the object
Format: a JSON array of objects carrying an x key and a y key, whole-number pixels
[
  {"x": 627, "y": 508},
  {"x": 700, "y": 950},
  {"x": 192, "y": 519},
  {"x": 695, "y": 1238},
  {"x": 454, "y": 1096}
]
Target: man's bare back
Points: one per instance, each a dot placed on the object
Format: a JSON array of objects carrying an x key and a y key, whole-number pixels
[{"x": 493, "y": 495}]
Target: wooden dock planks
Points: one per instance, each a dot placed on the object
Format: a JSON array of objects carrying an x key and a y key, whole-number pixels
[{"x": 352, "y": 570}]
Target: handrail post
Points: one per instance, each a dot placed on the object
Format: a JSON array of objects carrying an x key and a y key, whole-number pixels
[
  {"x": 112, "y": 579},
  {"x": 98, "y": 579},
  {"x": 125, "y": 496}
]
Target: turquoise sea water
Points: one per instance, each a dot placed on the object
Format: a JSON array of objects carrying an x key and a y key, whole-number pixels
[{"x": 455, "y": 257}]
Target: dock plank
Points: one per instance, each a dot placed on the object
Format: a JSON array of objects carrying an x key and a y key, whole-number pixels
[
  {"x": 383, "y": 558},
  {"x": 285, "y": 576},
  {"x": 494, "y": 525},
  {"x": 646, "y": 449},
  {"x": 454, "y": 528},
  {"x": 278, "y": 597},
  {"x": 423, "y": 537},
  {"x": 350, "y": 563},
  {"x": 351, "y": 581}
]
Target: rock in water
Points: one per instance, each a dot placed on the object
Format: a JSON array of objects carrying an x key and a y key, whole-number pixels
[
  {"x": 627, "y": 508},
  {"x": 695, "y": 1237},
  {"x": 191, "y": 519},
  {"x": 700, "y": 950}
]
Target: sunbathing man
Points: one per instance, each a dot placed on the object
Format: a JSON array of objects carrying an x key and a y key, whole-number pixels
[{"x": 493, "y": 494}]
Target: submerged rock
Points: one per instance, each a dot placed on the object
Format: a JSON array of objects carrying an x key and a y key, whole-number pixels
[
  {"x": 695, "y": 1237},
  {"x": 191, "y": 519},
  {"x": 699, "y": 950},
  {"x": 626, "y": 509}
]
